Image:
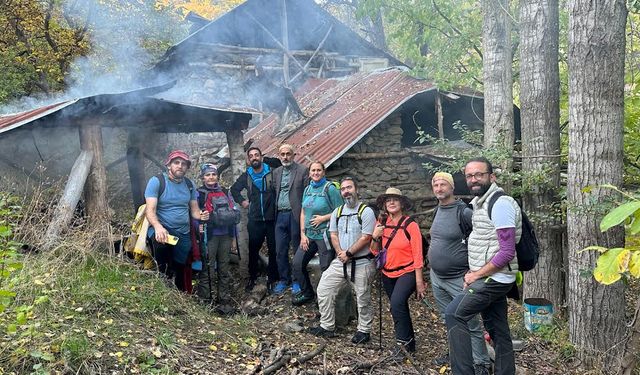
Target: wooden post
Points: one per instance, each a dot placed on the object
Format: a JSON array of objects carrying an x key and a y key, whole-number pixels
[
  {"x": 96, "y": 186},
  {"x": 238, "y": 166},
  {"x": 135, "y": 165},
  {"x": 69, "y": 200},
  {"x": 439, "y": 115},
  {"x": 285, "y": 43}
]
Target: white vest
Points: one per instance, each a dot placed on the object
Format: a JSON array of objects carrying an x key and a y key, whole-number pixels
[{"x": 483, "y": 241}]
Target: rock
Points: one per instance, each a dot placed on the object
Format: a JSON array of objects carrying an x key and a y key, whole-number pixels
[{"x": 294, "y": 326}]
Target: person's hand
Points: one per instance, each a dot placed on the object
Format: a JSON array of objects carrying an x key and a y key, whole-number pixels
[
  {"x": 469, "y": 278},
  {"x": 204, "y": 215},
  {"x": 377, "y": 231},
  {"x": 421, "y": 290},
  {"x": 315, "y": 220},
  {"x": 342, "y": 255},
  {"x": 304, "y": 242},
  {"x": 161, "y": 234},
  {"x": 245, "y": 204}
]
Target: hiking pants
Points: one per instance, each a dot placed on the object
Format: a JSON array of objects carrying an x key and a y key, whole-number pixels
[
  {"x": 331, "y": 281},
  {"x": 287, "y": 233},
  {"x": 444, "y": 291},
  {"x": 163, "y": 253},
  {"x": 218, "y": 248},
  {"x": 258, "y": 232},
  {"x": 302, "y": 259},
  {"x": 487, "y": 297},
  {"x": 399, "y": 290}
]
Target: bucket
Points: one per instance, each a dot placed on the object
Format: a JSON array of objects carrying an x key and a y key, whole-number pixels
[{"x": 537, "y": 312}]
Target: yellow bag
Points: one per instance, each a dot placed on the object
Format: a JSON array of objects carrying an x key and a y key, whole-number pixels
[{"x": 137, "y": 244}]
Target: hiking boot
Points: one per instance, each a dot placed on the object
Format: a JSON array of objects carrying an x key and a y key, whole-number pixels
[
  {"x": 360, "y": 338},
  {"x": 441, "y": 361},
  {"x": 481, "y": 370},
  {"x": 295, "y": 289},
  {"x": 321, "y": 332},
  {"x": 300, "y": 299},
  {"x": 279, "y": 288},
  {"x": 250, "y": 285}
]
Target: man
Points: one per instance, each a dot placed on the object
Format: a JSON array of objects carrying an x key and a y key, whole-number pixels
[
  {"x": 170, "y": 205},
  {"x": 290, "y": 181},
  {"x": 350, "y": 236},
  {"x": 492, "y": 272},
  {"x": 259, "y": 184},
  {"x": 448, "y": 259}
]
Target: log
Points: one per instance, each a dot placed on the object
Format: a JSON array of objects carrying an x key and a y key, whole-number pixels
[
  {"x": 377, "y": 155},
  {"x": 307, "y": 356},
  {"x": 69, "y": 200},
  {"x": 96, "y": 184},
  {"x": 439, "y": 115}
]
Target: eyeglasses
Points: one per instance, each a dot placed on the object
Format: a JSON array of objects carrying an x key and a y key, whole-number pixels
[{"x": 476, "y": 175}]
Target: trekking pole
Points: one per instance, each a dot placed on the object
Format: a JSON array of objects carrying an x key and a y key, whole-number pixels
[
  {"x": 380, "y": 307},
  {"x": 203, "y": 244},
  {"x": 235, "y": 229}
]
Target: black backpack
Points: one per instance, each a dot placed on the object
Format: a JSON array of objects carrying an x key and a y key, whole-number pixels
[
  {"x": 465, "y": 228},
  {"x": 425, "y": 243},
  {"x": 222, "y": 208},
  {"x": 527, "y": 249}
]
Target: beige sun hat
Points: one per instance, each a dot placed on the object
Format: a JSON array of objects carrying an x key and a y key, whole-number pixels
[{"x": 394, "y": 192}]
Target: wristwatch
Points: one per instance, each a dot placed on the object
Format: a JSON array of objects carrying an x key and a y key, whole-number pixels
[
  {"x": 348, "y": 253},
  {"x": 379, "y": 239}
]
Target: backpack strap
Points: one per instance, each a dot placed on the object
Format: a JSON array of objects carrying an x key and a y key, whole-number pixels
[
  {"x": 325, "y": 192},
  {"x": 465, "y": 228},
  {"x": 163, "y": 184},
  {"x": 361, "y": 209},
  {"x": 492, "y": 201}
]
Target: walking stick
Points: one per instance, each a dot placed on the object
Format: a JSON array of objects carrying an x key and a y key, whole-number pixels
[
  {"x": 203, "y": 250},
  {"x": 380, "y": 306}
]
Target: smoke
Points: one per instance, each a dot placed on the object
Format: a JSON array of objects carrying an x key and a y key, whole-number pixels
[{"x": 126, "y": 38}]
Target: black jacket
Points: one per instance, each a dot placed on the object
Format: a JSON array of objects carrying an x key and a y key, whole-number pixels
[{"x": 262, "y": 204}]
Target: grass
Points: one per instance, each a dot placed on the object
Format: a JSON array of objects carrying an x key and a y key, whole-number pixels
[{"x": 84, "y": 312}]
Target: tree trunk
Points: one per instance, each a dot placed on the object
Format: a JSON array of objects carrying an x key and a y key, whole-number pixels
[
  {"x": 596, "y": 83},
  {"x": 540, "y": 117},
  {"x": 498, "y": 78},
  {"x": 96, "y": 186}
]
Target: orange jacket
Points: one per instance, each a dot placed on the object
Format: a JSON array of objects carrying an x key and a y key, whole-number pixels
[{"x": 403, "y": 256}]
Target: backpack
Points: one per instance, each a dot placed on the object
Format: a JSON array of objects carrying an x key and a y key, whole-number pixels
[
  {"x": 527, "y": 249},
  {"x": 325, "y": 192},
  {"x": 220, "y": 207},
  {"x": 465, "y": 228},
  {"x": 162, "y": 187},
  {"x": 339, "y": 214}
]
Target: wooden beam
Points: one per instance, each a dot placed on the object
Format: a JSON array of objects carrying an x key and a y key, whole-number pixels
[
  {"x": 439, "y": 115},
  {"x": 285, "y": 43},
  {"x": 264, "y": 28},
  {"x": 376, "y": 155},
  {"x": 96, "y": 186},
  {"x": 306, "y": 66},
  {"x": 135, "y": 165},
  {"x": 69, "y": 200},
  {"x": 238, "y": 166}
]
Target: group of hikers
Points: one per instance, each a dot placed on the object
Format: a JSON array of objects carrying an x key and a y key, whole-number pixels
[{"x": 472, "y": 251}]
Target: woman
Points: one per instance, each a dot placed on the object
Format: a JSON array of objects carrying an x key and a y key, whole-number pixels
[
  {"x": 220, "y": 233},
  {"x": 319, "y": 199},
  {"x": 402, "y": 271}
]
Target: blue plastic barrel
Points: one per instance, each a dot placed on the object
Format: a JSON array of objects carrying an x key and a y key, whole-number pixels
[{"x": 537, "y": 312}]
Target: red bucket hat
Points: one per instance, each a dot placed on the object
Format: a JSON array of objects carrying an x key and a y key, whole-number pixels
[{"x": 178, "y": 154}]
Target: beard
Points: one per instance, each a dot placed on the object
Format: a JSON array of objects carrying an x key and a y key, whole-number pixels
[
  {"x": 256, "y": 164},
  {"x": 350, "y": 200},
  {"x": 286, "y": 163},
  {"x": 481, "y": 190}
]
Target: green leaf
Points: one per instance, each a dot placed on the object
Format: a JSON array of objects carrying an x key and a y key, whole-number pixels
[
  {"x": 618, "y": 215},
  {"x": 7, "y": 293},
  {"x": 634, "y": 264},
  {"x": 21, "y": 318},
  {"x": 11, "y": 328},
  {"x": 634, "y": 228},
  {"x": 611, "y": 264},
  {"x": 601, "y": 249}
]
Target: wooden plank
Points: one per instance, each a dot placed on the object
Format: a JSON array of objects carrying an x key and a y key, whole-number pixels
[
  {"x": 96, "y": 185},
  {"x": 69, "y": 200},
  {"x": 439, "y": 115}
]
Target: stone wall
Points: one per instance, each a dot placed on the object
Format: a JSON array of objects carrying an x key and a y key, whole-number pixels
[{"x": 378, "y": 161}]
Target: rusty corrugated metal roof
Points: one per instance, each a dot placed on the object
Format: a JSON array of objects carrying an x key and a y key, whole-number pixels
[
  {"x": 12, "y": 121},
  {"x": 341, "y": 112}
]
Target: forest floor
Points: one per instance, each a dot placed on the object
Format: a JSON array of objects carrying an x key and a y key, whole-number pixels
[{"x": 80, "y": 312}]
